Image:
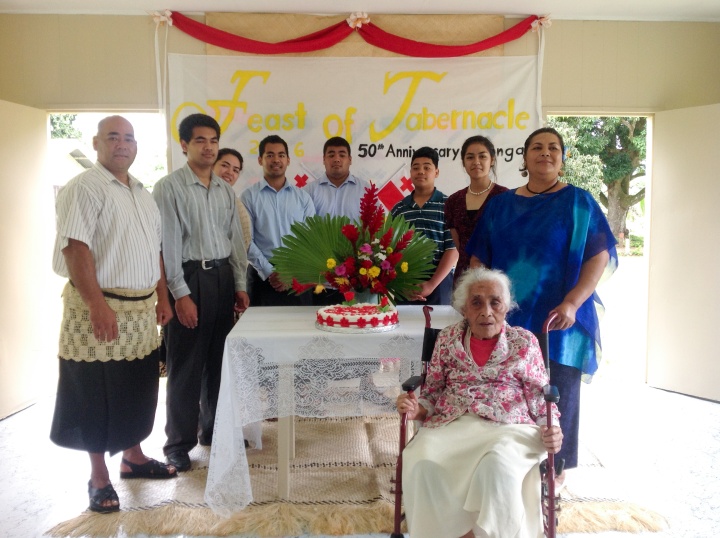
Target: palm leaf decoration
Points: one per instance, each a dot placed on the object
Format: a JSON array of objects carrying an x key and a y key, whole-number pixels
[
  {"x": 304, "y": 253},
  {"x": 378, "y": 253}
]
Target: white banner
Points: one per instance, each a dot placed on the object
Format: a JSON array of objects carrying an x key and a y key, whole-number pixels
[{"x": 384, "y": 107}]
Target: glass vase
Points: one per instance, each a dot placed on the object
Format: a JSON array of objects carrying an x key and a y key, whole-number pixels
[{"x": 365, "y": 296}]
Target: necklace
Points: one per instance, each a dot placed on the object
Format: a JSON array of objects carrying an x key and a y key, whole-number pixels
[
  {"x": 541, "y": 192},
  {"x": 482, "y": 191}
]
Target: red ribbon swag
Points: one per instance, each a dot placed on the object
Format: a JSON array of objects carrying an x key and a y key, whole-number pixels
[{"x": 332, "y": 35}]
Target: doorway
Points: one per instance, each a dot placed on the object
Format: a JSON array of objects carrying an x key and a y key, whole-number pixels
[{"x": 606, "y": 155}]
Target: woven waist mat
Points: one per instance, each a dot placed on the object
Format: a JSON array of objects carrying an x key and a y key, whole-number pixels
[{"x": 137, "y": 327}]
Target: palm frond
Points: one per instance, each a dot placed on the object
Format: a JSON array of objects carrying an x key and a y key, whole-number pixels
[
  {"x": 303, "y": 258},
  {"x": 305, "y": 251}
]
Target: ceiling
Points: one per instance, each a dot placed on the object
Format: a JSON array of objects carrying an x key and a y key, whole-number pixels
[{"x": 627, "y": 10}]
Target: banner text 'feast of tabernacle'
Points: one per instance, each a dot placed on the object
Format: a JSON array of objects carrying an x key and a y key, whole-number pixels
[{"x": 341, "y": 123}]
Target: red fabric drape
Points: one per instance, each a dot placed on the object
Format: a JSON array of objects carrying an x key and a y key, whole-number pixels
[
  {"x": 331, "y": 35},
  {"x": 400, "y": 45},
  {"x": 308, "y": 43}
]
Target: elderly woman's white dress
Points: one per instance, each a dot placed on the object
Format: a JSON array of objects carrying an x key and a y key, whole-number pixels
[{"x": 474, "y": 464}]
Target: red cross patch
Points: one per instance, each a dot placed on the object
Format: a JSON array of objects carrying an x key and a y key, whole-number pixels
[{"x": 301, "y": 180}]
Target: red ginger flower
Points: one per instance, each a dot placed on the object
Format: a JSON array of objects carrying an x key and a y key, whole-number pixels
[
  {"x": 371, "y": 212},
  {"x": 351, "y": 232},
  {"x": 386, "y": 238},
  {"x": 404, "y": 241},
  {"x": 299, "y": 288},
  {"x": 394, "y": 258}
]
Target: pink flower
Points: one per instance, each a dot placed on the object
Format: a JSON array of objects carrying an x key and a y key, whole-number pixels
[
  {"x": 366, "y": 249},
  {"x": 340, "y": 270},
  {"x": 386, "y": 265}
]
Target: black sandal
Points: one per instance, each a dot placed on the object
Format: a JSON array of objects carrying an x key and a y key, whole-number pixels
[
  {"x": 150, "y": 469},
  {"x": 99, "y": 495}
]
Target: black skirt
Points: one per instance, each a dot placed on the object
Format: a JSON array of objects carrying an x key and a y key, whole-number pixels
[{"x": 105, "y": 406}]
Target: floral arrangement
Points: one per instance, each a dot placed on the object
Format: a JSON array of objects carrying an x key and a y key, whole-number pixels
[{"x": 377, "y": 254}]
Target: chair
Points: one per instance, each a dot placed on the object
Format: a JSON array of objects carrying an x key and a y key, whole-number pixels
[{"x": 548, "y": 469}]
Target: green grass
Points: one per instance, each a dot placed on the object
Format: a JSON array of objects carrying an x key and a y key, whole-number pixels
[{"x": 637, "y": 246}]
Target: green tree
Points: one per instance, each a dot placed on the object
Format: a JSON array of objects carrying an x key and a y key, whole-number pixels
[
  {"x": 62, "y": 126},
  {"x": 620, "y": 145},
  {"x": 584, "y": 171}
]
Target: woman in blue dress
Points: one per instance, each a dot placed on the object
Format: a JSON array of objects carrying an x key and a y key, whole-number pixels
[{"x": 555, "y": 244}]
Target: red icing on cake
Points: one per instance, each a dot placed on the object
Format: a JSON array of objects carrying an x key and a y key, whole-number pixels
[{"x": 359, "y": 316}]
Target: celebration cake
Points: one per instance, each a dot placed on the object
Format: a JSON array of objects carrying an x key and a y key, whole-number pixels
[{"x": 358, "y": 318}]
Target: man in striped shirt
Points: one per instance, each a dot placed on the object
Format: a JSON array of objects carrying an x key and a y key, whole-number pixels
[
  {"x": 425, "y": 209},
  {"x": 108, "y": 245},
  {"x": 205, "y": 262}
]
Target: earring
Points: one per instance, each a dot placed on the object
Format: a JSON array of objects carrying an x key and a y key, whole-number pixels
[
  {"x": 524, "y": 173},
  {"x": 561, "y": 173}
]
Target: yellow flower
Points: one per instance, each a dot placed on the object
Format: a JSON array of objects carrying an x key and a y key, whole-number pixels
[
  {"x": 374, "y": 272},
  {"x": 342, "y": 281},
  {"x": 331, "y": 263},
  {"x": 363, "y": 271},
  {"x": 319, "y": 289},
  {"x": 404, "y": 267},
  {"x": 389, "y": 250}
]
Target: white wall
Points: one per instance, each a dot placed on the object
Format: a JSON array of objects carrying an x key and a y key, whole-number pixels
[
  {"x": 684, "y": 256},
  {"x": 29, "y": 292}
]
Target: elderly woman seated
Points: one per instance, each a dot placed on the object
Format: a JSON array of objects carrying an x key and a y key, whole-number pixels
[{"x": 472, "y": 468}]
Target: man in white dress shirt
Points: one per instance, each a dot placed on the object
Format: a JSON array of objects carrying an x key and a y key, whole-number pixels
[
  {"x": 205, "y": 262},
  {"x": 108, "y": 245},
  {"x": 336, "y": 193}
]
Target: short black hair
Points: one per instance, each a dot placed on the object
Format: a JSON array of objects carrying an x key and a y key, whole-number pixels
[
  {"x": 427, "y": 152},
  {"x": 336, "y": 142},
  {"x": 187, "y": 125},
  {"x": 229, "y": 151},
  {"x": 272, "y": 139}
]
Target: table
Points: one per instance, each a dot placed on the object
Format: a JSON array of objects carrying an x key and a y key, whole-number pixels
[{"x": 277, "y": 364}]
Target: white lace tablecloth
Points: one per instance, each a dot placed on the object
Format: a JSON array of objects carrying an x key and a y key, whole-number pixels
[{"x": 277, "y": 364}]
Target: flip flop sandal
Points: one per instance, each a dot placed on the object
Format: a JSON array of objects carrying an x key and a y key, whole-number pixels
[
  {"x": 150, "y": 469},
  {"x": 99, "y": 495}
]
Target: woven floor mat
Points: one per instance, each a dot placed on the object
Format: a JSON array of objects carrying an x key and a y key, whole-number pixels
[{"x": 340, "y": 485}]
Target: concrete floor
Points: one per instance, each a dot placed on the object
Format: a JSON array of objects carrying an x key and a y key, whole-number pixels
[{"x": 661, "y": 448}]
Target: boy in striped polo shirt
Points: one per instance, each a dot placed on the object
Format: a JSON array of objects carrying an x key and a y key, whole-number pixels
[{"x": 425, "y": 209}]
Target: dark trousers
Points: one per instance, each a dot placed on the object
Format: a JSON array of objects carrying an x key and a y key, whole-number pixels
[
  {"x": 194, "y": 358},
  {"x": 441, "y": 295},
  {"x": 263, "y": 294},
  {"x": 567, "y": 380}
]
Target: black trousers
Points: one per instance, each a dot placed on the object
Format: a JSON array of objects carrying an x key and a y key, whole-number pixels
[
  {"x": 568, "y": 380},
  {"x": 194, "y": 358},
  {"x": 263, "y": 294}
]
